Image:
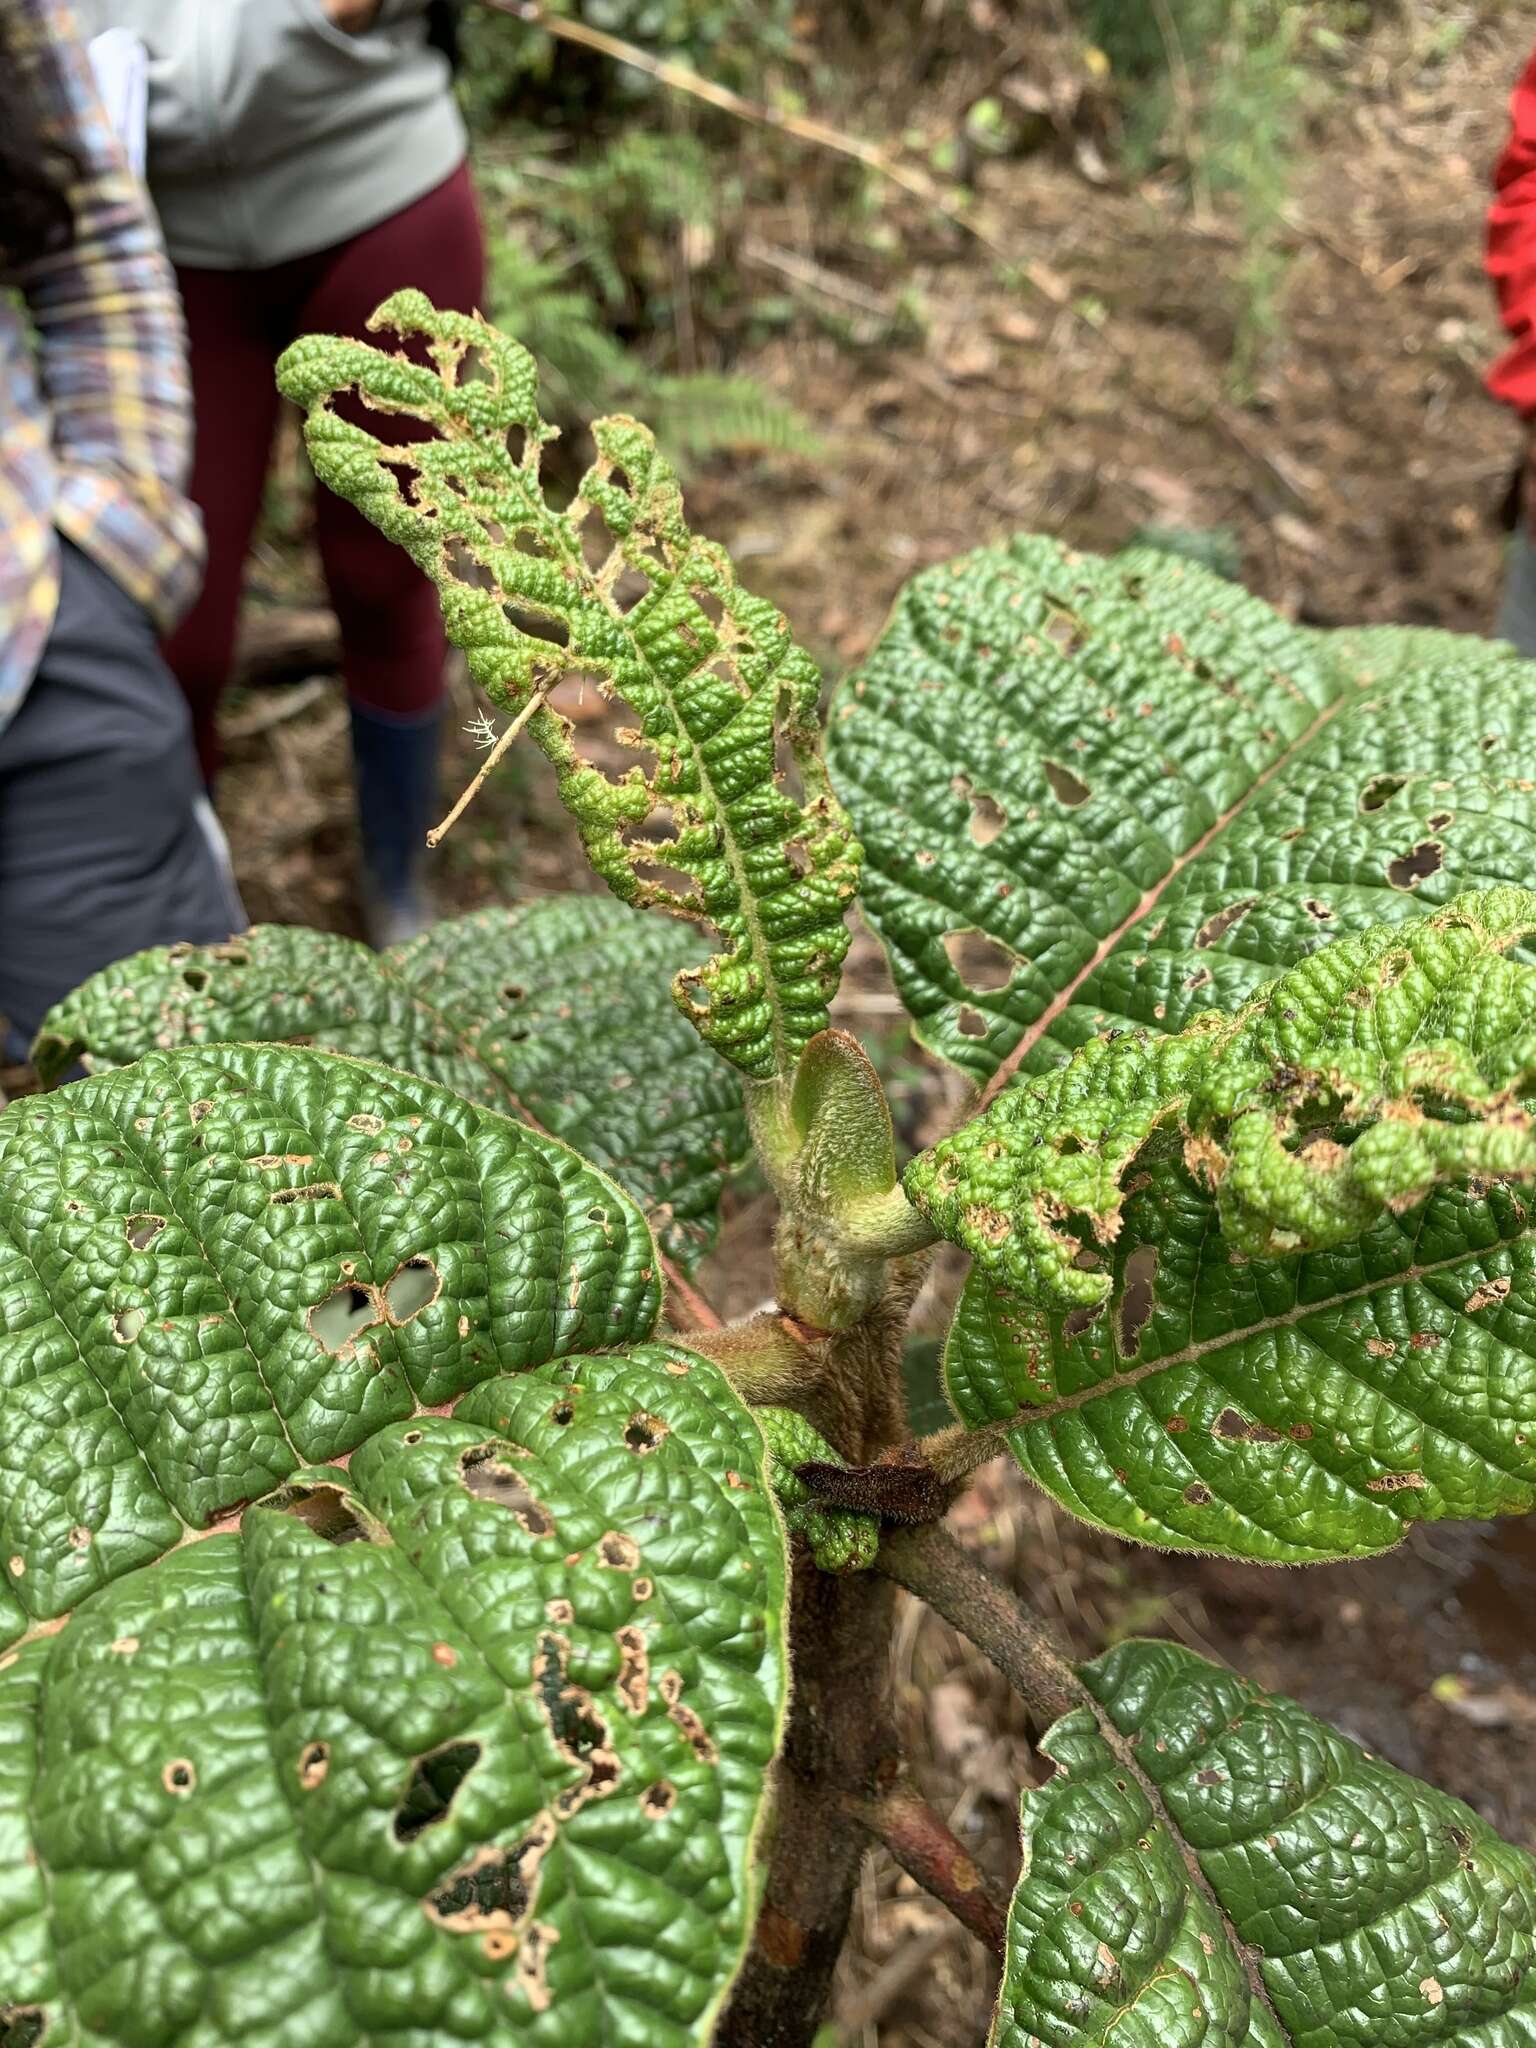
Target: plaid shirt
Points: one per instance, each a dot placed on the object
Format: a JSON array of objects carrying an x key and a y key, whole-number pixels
[{"x": 95, "y": 419}]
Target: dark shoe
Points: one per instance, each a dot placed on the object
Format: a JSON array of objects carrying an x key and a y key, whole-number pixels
[{"x": 395, "y": 764}]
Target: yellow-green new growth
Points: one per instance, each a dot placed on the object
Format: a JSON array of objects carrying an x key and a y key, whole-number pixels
[
  {"x": 1381, "y": 1066},
  {"x": 617, "y": 589}
]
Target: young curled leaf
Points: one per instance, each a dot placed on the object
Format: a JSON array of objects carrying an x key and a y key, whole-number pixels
[
  {"x": 1380, "y": 1067},
  {"x": 617, "y": 590}
]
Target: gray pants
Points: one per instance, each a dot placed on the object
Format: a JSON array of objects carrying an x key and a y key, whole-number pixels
[
  {"x": 1517, "y": 606},
  {"x": 107, "y": 844}
]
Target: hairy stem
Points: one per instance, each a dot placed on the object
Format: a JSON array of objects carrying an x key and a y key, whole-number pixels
[
  {"x": 841, "y": 1736},
  {"x": 929, "y": 1852},
  {"x": 930, "y": 1563},
  {"x": 957, "y": 1450}
]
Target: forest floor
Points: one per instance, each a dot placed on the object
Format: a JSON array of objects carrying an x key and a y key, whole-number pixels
[{"x": 1361, "y": 477}]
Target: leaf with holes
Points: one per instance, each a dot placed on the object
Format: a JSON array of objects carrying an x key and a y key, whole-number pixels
[
  {"x": 1265, "y": 1287},
  {"x": 616, "y": 589},
  {"x": 1099, "y": 794},
  {"x": 557, "y": 1011},
  {"x": 396, "y": 1632},
  {"x": 1209, "y": 1867}
]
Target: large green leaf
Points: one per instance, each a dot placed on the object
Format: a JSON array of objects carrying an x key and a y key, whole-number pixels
[
  {"x": 557, "y": 1011},
  {"x": 615, "y": 587},
  {"x": 1097, "y": 794},
  {"x": 1265, "y": 1287},
  {"x": 397, "y": 1635},
  {"x": 1212, "y": 1868}
]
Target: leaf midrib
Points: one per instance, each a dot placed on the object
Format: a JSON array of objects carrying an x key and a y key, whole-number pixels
[
  {"x": 1193, "y": 1352},
  {"x": 1151, "y": 898}
]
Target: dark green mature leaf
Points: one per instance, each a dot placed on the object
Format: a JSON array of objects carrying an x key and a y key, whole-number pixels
[
  {"x": 615, "y": 587},
  {"x": 1265, "y": 1288},
  {"x": 1371, "y": 1909},
  {"x": 557, "y": 1011},
  {"x": 445, "y": 1725},
  {"x": 1097, "y": 794}
]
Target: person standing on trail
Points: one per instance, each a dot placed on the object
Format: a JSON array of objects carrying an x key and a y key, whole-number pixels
[
  {"x": 308, "y": 158},
  {"x": 1511, "y": 265},
  {"x": 107, "y": 844}
]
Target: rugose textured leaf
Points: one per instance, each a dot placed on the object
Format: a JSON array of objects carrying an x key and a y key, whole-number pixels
[
  {"x": 557, "y": 1011},
  {"x": 396, "y": 1630},
  {"x": 615, "y": 588},
  {"x": 1110, "y": 794},
  {"x": 1209, "y": 1867},
  {"x": 1264, "y": 1287}
]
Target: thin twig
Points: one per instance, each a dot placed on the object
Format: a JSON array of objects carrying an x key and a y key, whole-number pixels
[
  {"x": 929, "y": 1852},
  {"x": 680, "y": 1294},
  {"x": 535, "y": 703},
  {"x": 930, "y": 1563}
]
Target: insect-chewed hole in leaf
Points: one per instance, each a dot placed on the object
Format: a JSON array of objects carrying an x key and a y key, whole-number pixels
[
  {"x": 1217, "y": 926},
  {"x": 685, "y": 1720},
  {"x": 464, "y": 565},
  {"x": 798, "y": 854},
  {"x": 786, "y": 771},
  {"x": 710, "y": 604},
  {"x": 642, "y": 1433},
  {"x": 1409, "y": 869},
  {"x": 1065, "y": 630},
  {"x": 724, "y": 670},
  {"x": 314, "y": 1763},
  {"x": 988, "y": 818},
  {"x": 196, "y": 978},
  {"x": 658, "y": 1799},
  {"x": 345, "y": 1312},
  {"x": 579, "y": 1730},
  {"x": 656, "y": 828},
  {"x": 657, "y": 875},
  {"x": 1067, "y": 788},
  {"x": 1077, "y": 1320},
  {"x": 314, "y": 1191},
  {"x": 142, "y": 1230},
  {"x": 1380, "y": 790},
  {"x": 1321, "y": 911},
  {"x": 328, "y": 1510},
  {"x": 620, "y": 1553},
  {"x": 22, "y": 2026},
  {"x": 970, "y": 1023},
  {"x": 485, "y": 1475},
  {"x": 432, "y": 1788},
  {"x": 562, "y": 1414},
  {"x": 527, "y": 542},
  {"x": 127, "y": 1324},
  {"x": 495, "y": 1890},
  {"x": 1138, "y": 1296},
  {"x": 179, "y": 1777},
  {"x": 411, "y": 1288},
  {"x": 537, "y": 625},
  {"x": 984, "y": 964}
]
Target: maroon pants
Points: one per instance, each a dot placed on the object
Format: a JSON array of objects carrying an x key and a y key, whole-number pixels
[{"x": 239, "y": 322}]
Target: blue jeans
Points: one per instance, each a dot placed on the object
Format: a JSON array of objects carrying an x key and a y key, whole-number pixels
[{"x": 107, "y": 844}]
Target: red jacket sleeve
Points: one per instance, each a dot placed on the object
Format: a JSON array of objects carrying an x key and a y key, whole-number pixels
[{"x": 1511, "y": 250}]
